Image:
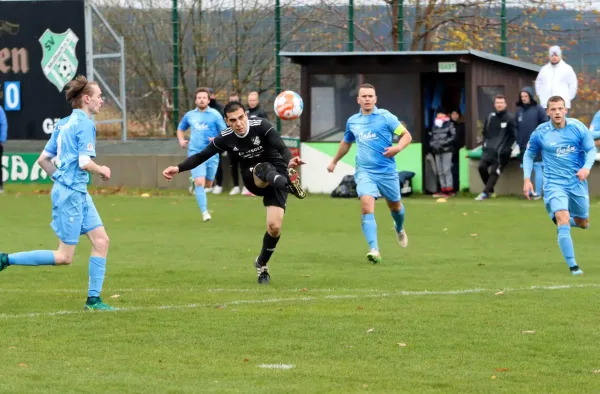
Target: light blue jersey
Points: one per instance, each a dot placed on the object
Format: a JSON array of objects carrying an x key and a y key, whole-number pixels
[
  {"x": 373, "y": 133},
  {"x": 73, "y": 136},
  {"x": 595, "y": 126},
  {"x": 203, "y": 125},
  {"x": 564, "y": 152}
]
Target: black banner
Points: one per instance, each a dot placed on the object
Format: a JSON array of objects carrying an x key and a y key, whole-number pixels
[{"x": 42, "y": 47}]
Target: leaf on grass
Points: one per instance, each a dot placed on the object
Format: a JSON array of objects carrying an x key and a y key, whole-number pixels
[
  {"x": 348, "y": 346},
  {"x": 445, "y": 229},
  {"x": 306, "y": 276},
  {"x": 465, "y": 214},
  {"x": 145, "y": 195},
  {"x": 23, "y": 365},
  {"x": 528, "y": 332},
  {"x": 370, "y": 330},
  {"x": 18, "y": 195},
  {"x": 117, "y": 219},
  {"x": 304, "y": 290},
  {"x": 493, "y": 376},
  {"x": 441, "y": 200},
  {"x": 402, "y": 344},
  {"x": 365, "y": 386},
  {"x": 474, "y": 235},
  {"x": 246, "y": 360},
  {"x": 221, "y": 306},
  {"x": 115, "y": 296},
  {"x": 174, "y": 202},
  {"x": 499, "y": 293},
  {"x": 597, "y": 371},
  {"x": 12, "y": 347},
  {"x": 360, "y": 307},
  {"x": 502, "y": 369}
]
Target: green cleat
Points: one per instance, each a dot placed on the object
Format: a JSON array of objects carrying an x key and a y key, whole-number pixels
[
  {"x": 96, "y": 304},
  {"x": 373, "y": 256},
  {"x": 3, "y": 261}
]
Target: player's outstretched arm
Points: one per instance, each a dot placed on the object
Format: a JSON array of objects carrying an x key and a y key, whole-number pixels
[
  {"x": 342, "y": 151},
  {"x": 192, "y": 162}
]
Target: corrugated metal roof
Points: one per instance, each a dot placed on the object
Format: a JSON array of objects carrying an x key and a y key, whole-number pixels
[{"x": 473, "y": 52}]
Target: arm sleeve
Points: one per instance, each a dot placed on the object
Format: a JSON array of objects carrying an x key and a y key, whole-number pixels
[
  {"x": 590, "y": 149},
  {"x": 533, "y": 147},
  {"x": 195, "y": 160},
  {"x": 185, "y": 124},
  {"x": 393, "y": 123},
  {"x": 3, "y": 126},
  {"x": 86, "y": 139},
  {"x": 451, "y": 135},
  {"x": 276, "y": 142},
  {"x": 572, "y": 83},
  {"x": 51, "y": 146},
  {"x": 348, "y": 135}
]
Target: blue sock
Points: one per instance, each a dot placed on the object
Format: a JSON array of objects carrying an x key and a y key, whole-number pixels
[
  {"x": 35, "y": 257},
  {"x": 538, "y": 177},
  {"x": 369, "y": 229},
  {"x": 398, "y": 219},
  {"x": 566, "y": 244},
  {"x": 201, "y": 198},
  {"x": 97, "y": 270}
]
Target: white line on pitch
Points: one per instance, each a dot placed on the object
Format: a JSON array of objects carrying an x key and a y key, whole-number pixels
[{"x": 305, "y": 299}]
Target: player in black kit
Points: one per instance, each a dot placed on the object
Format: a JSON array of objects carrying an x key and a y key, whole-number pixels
[{"x": 268, "y": 170}]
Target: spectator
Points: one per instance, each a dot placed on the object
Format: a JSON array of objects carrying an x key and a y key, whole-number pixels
[
  {"x": 498, "y": 139},
  {"x": 528, "y": 117},
  {"x": 218, "y": 188},
  {"x": 442, "y": 143},
  {"x": 3, "y": 136},
  {"x": 556, "y": 78},
  {"x": 459, "y": 126},
  {"x": 595, "y": 125},
  {"x": 234, "y": 97},
  {"x": 254, "y": 108}
]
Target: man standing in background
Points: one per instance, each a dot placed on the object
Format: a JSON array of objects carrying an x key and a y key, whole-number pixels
[
  {"x": 254, "y": 108},
  {"x": 556, "y": 78},
  {"x": 3, "y": 136},
  {"x": 528, "y": 117}
]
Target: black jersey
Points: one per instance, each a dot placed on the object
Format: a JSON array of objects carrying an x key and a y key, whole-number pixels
[{"x": 261, "y": 144}]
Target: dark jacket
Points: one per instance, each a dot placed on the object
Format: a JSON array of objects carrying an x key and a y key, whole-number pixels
[
  {"x": 528, "y": 118},
  {"x": 499, "y": 135},
  {"x": 216, "y": 105},
  {"x": 442, "y": 135},
  {"x": 257, "y": 112}
]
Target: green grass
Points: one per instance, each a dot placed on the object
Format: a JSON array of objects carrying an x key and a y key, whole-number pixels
[{"x": 193, "y": 319}]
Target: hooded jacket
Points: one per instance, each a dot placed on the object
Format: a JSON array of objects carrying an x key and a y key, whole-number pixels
[
  {"x": 528, "y": 118},
  {"x": 499, "y": 133},
  {"x": 442, "y": 135},
  {"x": 556, "y": 80}
]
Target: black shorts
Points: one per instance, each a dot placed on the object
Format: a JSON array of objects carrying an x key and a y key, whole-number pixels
[{"x": 272, "y": 197}]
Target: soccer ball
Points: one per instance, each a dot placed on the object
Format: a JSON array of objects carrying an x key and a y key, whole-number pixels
[{"x": 288, "y": 105}]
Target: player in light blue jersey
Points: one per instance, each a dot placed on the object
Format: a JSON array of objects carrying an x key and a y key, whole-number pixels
[
  {"x": 205, "y": 124},
  {"x": 568, "y": 154},
  {"x": 67, "y": 158},
  {"x": 595, "y": 126},
  {"x": 372, "y": 129}
]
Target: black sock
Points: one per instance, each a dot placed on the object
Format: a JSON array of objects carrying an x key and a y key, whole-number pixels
[
  {"x": 268, "y": 248},
  {"x": 266, "y": 172}
]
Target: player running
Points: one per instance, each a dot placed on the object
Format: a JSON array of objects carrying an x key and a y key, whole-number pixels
[
  {"x": 568, "y": 154},
  {"x": 372, "y": 129},
  {"x": 204, "y": 123},
  {"x": 67, "y": 159},
  {"x": 267, "y": 167}
]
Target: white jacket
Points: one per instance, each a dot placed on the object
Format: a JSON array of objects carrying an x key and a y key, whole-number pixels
[{"x": 556, "y": 80}]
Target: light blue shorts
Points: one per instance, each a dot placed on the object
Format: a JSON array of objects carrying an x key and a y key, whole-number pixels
[
  {"x": 73, "y": 214},
  {"x": 575, "y": 199},
  {"x": 377, "y": 185},
  {"x": 207, "y": 170}
]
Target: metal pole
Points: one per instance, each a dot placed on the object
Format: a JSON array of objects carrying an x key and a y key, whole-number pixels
[
  {"x": 277, "y": 58},
  {"x": 89, "y": 42},
  {"x": 350, "y": 25},
  {"x": 503, "y": 29},
  {"x": 400, "y": 24},
  {"x": 175, "y": 23},
  {"x": 122, "y": 91}
]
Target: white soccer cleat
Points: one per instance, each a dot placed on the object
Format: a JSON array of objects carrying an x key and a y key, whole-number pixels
[
  {"x": 206, "y": 216},
  {"x": 217, "y": 190},
  {"x": 402, "y": 238},
  {"x": 234, "y": 191},
  {"x": 374, "y": 256}
]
